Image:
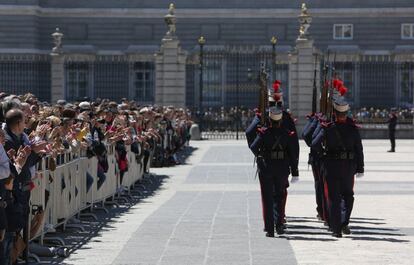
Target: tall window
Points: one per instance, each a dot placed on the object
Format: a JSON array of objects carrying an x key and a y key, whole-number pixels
[
  {"x": 77, "y": 81},
  {"x": 407, "y": 31},
  {"x": 143, "y": 87},
  {"x": 343, "y": 31}
]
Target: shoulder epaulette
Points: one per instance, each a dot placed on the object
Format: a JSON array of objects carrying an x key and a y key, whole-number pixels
[
  {"x": 326, "y": 124},
  {"x": 310, "y": 116},
  {"x": 261, "y": 130}
]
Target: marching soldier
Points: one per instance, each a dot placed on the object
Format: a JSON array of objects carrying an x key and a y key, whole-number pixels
[
  {"x": 250, "y": 136},
  {"x": 316, "y": 163},
  {"x": 341, "y": 146},
  {"x": 275, "y": 150},
  {"x": 288, "y": 123},
  {"x": 251, "y": 133}
]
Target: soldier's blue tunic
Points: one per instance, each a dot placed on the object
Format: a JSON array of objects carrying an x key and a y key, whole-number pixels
[
  {"x": 277, "y": 158},
  {"x": 341, "y": 146},
  {"x": 315, "y": 162},
  {"x": 251, "y": 133}
]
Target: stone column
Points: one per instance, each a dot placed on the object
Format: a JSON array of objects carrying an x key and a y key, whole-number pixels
[
  {"x": 57, "y": 77},
  {"x": 57, "y": 68},
  {"x": 301, "y": 72},
  {"x": 170, "y": 62},
  {"x": 301, "y": 75},
  {"x": 170, "y": 73}
]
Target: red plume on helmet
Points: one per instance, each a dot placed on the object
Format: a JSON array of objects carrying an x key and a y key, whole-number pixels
[
  {"x": 342, "y": 90},
  {"x": 276, "y": 86},
  {"x": 276, "y": 97},
  {"x": 337, "y": 83}
]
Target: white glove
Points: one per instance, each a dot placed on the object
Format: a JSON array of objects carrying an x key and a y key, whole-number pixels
[
  {"x": 294, "y": 179},
  {"x": 359, "y": 175}
]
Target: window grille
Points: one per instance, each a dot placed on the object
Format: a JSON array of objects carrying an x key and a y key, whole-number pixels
[
  {"x": 78, "y": 85},
  {"x": 143, "y": 87},
  {"x": 22, "y": 76},
  {"x": 406, "y": 84},
  {"x": 111, "y": 79}
]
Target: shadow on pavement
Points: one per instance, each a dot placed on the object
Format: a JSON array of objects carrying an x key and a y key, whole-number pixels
[
  {"x": 302, "y": 238},
  {"x": 77, "y": 239},
  {"x": 185, "y": 153},
  {"x": 391, "y": 240},
  {"x": 358, "y": 232},
  {"x": 373, "y": 228}
]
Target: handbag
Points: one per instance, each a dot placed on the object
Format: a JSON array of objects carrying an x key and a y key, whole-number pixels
[
  {"x": 36, "y": 223},
  {"x": 18, "y": 248}
]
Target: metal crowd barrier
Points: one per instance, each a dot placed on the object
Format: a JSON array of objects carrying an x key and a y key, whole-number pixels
[
  {"x": 227, "y": 135},
  {"x": 63, "y": 193}
]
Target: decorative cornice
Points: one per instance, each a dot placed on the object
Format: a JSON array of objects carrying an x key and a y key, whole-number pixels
[{"x": 183, "y": 13}]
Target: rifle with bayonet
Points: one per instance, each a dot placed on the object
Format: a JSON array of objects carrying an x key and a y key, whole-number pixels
[
  {"x": 324, "y": 86},
  {"x": 314, "y": 92},
  {"x": 329, "y": 104},
  {"x": 263, "y": 93}
]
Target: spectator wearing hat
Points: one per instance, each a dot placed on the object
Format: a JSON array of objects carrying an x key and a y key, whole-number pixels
[
  {"x": 61, "y": 102},
  {"x": 85, "y": 107},
  {"x": 392, "y": 124}
]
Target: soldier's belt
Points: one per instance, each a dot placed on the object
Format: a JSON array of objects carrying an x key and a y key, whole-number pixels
[
  {"x": 278, "y": 155},
  {"x": 343, "y": 155},
  {"x": 3, "y": 204}
]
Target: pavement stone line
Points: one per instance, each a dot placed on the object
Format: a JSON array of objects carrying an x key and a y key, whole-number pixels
[{"x": 209, "y": 212}]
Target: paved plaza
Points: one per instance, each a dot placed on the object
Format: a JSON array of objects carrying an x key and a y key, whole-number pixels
[{"x": 208, "y": 211}]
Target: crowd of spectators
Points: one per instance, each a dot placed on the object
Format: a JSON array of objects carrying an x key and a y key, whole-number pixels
[
  {"x": 32, "y": 129},
  {"x": 229, "y": 119},
  {"x": 381, "y": 115},
  {"x": 225, "y": 119}
]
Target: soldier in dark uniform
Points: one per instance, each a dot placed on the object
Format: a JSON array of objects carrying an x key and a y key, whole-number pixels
[
  {"x": 250, "y": 136},
  {"x": 392, "y": 123},
  {"x": 341, "y": 146},
  {"x": 274, "y": 148},
  {"x": 288, "y": 123},
  {"x": 316, "y": 163},
  {"x": 251, "y": 133}
]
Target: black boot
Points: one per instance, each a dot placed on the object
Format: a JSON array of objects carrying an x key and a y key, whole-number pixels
[
  {"x": 346, "y": 230},
  {"x": 337, "y": 235},
  {"x": 280, "y": 229}
]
